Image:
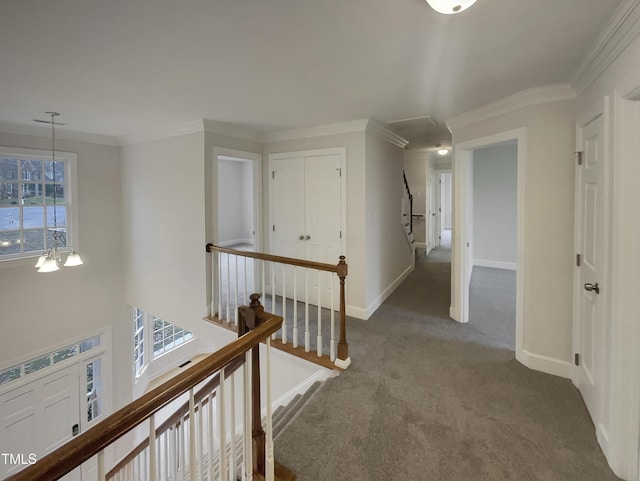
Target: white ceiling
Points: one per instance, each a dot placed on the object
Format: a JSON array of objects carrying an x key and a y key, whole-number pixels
[{"x": 131, "y": 67}]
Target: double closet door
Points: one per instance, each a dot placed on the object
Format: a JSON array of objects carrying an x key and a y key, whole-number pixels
[{"x": 307, "y": 195}]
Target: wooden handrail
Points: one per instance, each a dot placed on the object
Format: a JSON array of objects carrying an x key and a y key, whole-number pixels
[
  {"x": 321, "y": 266},
  {"x": 81, "y": 448},
  {"x": 178, "y": 416}
]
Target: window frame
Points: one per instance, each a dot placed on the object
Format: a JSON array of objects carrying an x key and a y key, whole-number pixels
[
  {"x": 148, "y": 352},
  {"x": 70, "y": 160}
]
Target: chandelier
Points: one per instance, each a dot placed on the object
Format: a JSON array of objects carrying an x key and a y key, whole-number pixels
[
  {"x": 50, "y": 260},
  {"x": 449, "y": 7}
]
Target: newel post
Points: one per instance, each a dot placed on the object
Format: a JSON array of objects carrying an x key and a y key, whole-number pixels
[
  {"x": 250, "y": 319},
  {"x": 343, "y": 360}
]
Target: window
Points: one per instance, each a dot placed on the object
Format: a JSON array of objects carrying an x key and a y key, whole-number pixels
[
  {"x": 163, "y": 337},
  {"x": 29, "y": 214},
  {"x": 94, "y": 389},
  {"x": 138, "y": 340},
  {"x": 47, "y": 360}
]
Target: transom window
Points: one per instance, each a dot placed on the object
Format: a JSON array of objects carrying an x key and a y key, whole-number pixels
[{"x": 35, "y": 201}]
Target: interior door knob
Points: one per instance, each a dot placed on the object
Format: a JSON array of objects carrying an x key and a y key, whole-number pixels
[
  {"x": 307, "y": 237},
  {"x": 300, "y": 237},
  {"x": 592, "y": 287}
]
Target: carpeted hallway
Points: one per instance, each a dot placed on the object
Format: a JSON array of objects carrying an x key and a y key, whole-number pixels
[{"x": 429, "y": 399}]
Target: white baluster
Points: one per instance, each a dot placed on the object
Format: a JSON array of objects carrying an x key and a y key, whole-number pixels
[
  {"x": 236, "y": 291},
  {"x": 153, "y": 457},
  {"x": 284, "y": 304},
  {"x": 201, "y": 456},
  {"x": 173, "y": 453},
  {"x": 228, "y": 318},
  {"x": 234, "y": 456},
  {"x": 192, "y": 436},
  {"x": 183, "y": 450},
  {"x": 319, "y": 338},
  {"x": 269, "y": 464},
  {"x": 262, "y": 275},
  {"x": 332, "y": 345},
  {"x": 273, "y": 288},
  {"x": 219, "y": 274},
  {"x": 224, "y": 472},
  {"x": 295, "y": 307},
  {"x": 247, "y": 456},
  {"x": 101, "y": 473},
  {"x": 307, "y": 335},
  {"x": 165, "y": 456},
  {"x": 246, "y": 294},
  {"x": 210, "y": 435}
]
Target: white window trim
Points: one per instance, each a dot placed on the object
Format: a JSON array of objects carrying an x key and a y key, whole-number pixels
[{"x": 71, "y": 192}]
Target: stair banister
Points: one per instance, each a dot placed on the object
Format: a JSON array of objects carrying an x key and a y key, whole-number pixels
[
  {"x": 340, "y": 269},
  {"x": 86, "y": 445}
]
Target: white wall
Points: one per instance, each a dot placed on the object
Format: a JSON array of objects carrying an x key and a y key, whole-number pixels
[
  {"x": 44, "y": 310},
  {"x": 235, "y": 194},
  {"x": 163, "y": 191},
  {"x": 548, "y": 210},
  {"x": 495, "y": 172},
  {"x": 388, "y": 251},
  {"x": 446, "y": 191}
]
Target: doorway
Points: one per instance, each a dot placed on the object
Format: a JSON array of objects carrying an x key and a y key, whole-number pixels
[
  {"x": 464, "y": 243},
  {"x": 237, "y": 212},
  {"x": 443, "y": 213}
]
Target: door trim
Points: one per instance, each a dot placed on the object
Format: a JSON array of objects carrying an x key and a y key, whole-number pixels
[
  {"x": 342, "y": 152},
  {"x": 461, "y": 260}
]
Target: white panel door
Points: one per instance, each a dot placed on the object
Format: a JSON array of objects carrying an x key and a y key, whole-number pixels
[
  {"x": 323, "y": 207},
  {"x": 288, "y": 225},
  {"x": 39, "y": 417},
  {"x": 589, "y": 322}
]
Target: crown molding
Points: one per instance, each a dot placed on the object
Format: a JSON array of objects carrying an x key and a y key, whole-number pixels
[
  {"x": 42, "y": 131},
  {"x": 359, "y": 125},
  {"x": 384, "y": 133},
  {"x": 526, "y": 98},
  {"x": 234, "y": 130},
  {"x": 184, "y": 128},
  {"x": 621, "y": 29}
]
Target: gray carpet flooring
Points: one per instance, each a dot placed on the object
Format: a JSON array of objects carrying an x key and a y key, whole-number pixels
[{"x": 427, "y": 398}]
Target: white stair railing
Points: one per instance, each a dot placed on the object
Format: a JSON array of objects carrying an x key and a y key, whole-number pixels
[{"x": 303, "y": 293}]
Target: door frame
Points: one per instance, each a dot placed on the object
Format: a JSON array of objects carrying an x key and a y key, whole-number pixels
[
  {"x": 462, "y": 229},
  {"x": 440, "y": 213},
  {"x": 256, "y": 160},
  {"x": 340, "y": 151}
]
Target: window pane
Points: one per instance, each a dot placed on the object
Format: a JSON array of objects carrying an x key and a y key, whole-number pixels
[
  {"x": 90, "y": 343},
  {"x": 60, "y": 218},
  {"x": 59, "y": 173},
  {"x": 9, "y": 194},
  {"x": 8, "y": 169},
  {"x": 33, "y": 217},
  {"x": 32, "y": 194},
  {"x": 9, "y": 243},
  {"x": 58, "y": 189},
  {"x": 61, "y": 235},
  {"x": 9, "y": 218},
  {"x": 31, "y": 169},
  {"x": 37, "y": 364},
  {"x": 9, "y": 375},
  {"x": 33, "y": 240},
  {"x": 65, "y": 353}
]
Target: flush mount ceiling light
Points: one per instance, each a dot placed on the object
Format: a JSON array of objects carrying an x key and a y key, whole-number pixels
[
  {"x": 443, "y": 151},
  {"x": 449, "y": 7}
]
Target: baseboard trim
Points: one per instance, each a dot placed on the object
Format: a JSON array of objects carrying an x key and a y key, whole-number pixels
[
  {"x": 453, "y": 314},
  {"x": 545, "y": 364},
  {"x": 420, "y": 245},
  {"x": 512, "y": 266},
  {"x": 321, "y": 375},
  {"x": 235, "y": 241},
  {"x": 360, "y": 313}
]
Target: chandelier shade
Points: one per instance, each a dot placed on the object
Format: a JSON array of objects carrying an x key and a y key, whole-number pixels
[{"x": 449, "y": 7}]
